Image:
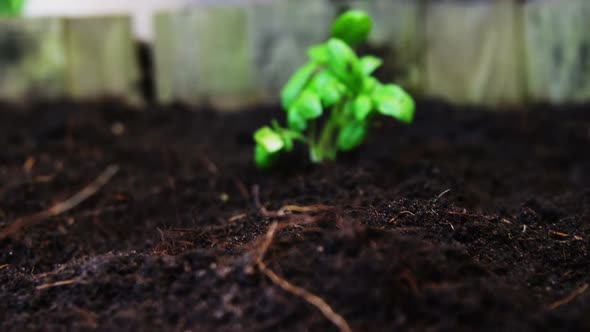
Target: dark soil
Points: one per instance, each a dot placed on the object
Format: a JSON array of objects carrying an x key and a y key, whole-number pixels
[{"x": 465, "y": 220}]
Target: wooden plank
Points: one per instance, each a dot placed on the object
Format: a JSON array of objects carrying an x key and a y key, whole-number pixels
[
  {"x": 398, "y": 37},
  {"x": 474, "y": 52},
  {"x": 558, "y": 50},
  {"x": 102, "y": 58},
  {"x": 32, "y": 60},
  {"x": 281, "y": 33},
  {"x": 202, "y": 55}
]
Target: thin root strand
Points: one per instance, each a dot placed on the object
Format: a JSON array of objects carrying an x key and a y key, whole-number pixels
[
  {"x": 394, "y": 219},
  {"x": 568, "y": 298},
  {"x": 61, "y": 207},
  {"x": 57, "y": 284},
  {"x": 309, "y": 297}
]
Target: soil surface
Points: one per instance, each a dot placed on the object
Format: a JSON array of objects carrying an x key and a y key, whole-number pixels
[{"x": 462, "y": 221}]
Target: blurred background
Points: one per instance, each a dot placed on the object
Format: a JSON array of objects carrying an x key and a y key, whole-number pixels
[
  {"x": 140, "y": 11},
  {"x": 231, "y": 54}
]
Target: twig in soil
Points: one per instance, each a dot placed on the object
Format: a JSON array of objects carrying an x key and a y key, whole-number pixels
[
  {"x": 464, "y": 214},
  {"x": 258, "y": 204},
  {"x": 568, "y": 298},
  {"x": 45, "y": 274},
  {"x": 309, "y": 297},
  {"x": 561, "y": 234},
  {"x": 506, "y": 221},
  {"x": 394, "y": 219},
  {"x": 238, "y": 217},
  {"x": 89, "y": 317},
  {"x": 441, "y": 195},
  {"x": 302, "y": 209},
  {"x": 4, "y": 266},
  {"x": 57, "y": 284},
  {"x": 452, "y": 227},
  {"x": 283, "y": 211},
  {"x": 29, "y": 164},
  {"x": 61, "y": 207}
]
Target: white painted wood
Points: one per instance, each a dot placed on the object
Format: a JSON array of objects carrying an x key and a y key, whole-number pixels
[
  {"x": 140, "y": 10},
  {"x": 398, "y": 32},
  {"x": 280, "y": 35},
  {"x": 558, "y": 50},
  {"x": 474, "y": 52},
  {"x": 102, "y": 58},
  {"x": 32, "y": 59},
  {"x": 203, "y": 55}
]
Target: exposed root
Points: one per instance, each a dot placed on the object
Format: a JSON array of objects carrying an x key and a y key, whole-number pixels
[
  {"x": 57, "y": 284},
  {"x": 89, "y": 317},
  {"x": 61, "y": 207},
  {"x": 286, "y": 209},
  {"x": 29, "y": 164},
  {"x": 303, "y": 209},
  {"x": 568, "y": 298},
  {"x": 3, "y": 266},
  {"x": 394, "y": 219},
  {"x": 238, "y": 217},
  {"x": 471, "y": 215},
  {"x": 309, "y": 297},
  {"x": 54, "y": 272},
  {"x": 441, "y": 195},
  {"x": 564, "y": 235}
]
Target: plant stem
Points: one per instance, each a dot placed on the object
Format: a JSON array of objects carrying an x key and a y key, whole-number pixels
[
  {"x": 312, "y": 132},
  {"x": 325, "y": 148}
]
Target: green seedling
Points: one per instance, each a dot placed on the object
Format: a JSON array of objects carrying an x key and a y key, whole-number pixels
[
  {"x": 11, "y": 7},
  {"x": 334, "y": 89}
]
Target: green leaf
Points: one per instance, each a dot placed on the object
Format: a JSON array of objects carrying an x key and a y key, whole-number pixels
[
  {"x": 370, "y": 63},
  {"x": 286, "y": 135},
  {"x": 327, "y": 88},
  {"x": 308, "y": 105},
  {"x": 11, "y": 7},
  {"x": 319, "y": 54},
  {"x": 353, "y": 27},
  {"x": 263, "y": 158},
  {"x": 268, "y": 139},
  {"x": 362, "y": 106},
  {"x": 287, "y": 140},
  {"x": 352, "y": 135},
  {"x": 340, "y": 60},
  {"x": 295, "y": 84},
  {"x": 370, "y": 83},
  {"x": 343, "y": 63},
  {"x": 295, "y": 121},
  {"x": 332, "y": 93},
  {"x": 393, "y": 101}
]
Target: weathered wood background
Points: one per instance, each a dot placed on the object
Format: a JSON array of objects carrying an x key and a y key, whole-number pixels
[{"x": 502, "y": 52}]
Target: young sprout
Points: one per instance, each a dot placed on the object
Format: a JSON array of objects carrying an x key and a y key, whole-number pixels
[{"x": 337, "y": 90}]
